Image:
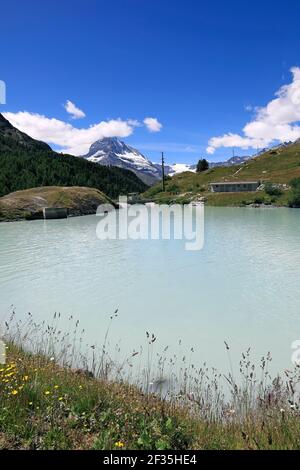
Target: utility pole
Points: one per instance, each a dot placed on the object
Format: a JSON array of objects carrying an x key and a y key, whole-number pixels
[{"x": 163, "y": 170}]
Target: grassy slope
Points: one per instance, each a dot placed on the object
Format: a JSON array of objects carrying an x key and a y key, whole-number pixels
[
  {"x": 44, "y": 406},
  {"x": 278, "y": 166},
  {"x": 78, "y": 200}
]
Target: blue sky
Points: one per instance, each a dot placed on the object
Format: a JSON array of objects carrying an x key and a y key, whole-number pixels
[{"x": 200, "y": 69}]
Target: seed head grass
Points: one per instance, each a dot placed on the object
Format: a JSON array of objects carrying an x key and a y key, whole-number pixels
[{"x": 54, "y": 397}]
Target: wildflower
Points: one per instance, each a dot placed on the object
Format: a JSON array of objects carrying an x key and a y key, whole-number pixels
[
  {"x": 10, "y": 374},
  {"x": 56, "y": 386},
  {"x": 47, "y": 392},
  {"x": 30, "y": 403},
  {"x": 119, "y": 444},
  {"x": 60, "y": 398},
  {"x": 14, "y": 392},
  {"x": 25, "y": 378}
]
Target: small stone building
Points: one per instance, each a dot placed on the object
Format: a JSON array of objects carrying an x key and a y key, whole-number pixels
[
  {"x": 234, "y": 186},
  {"x": 55, "y": 213}
]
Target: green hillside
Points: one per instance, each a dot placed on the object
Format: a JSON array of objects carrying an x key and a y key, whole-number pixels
[
  {"x": 27, "y": 163},
  {"x": 29, "y": 203},
  {"x": 277, "y": 166}
]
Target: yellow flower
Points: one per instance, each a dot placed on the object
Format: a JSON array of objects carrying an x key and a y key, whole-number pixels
[
  {"x": 60, "y": 398},
  {"x": 30, "y": 403},
  {"x": 47, "y": 392},
  {"x": 56, "y": 386},
  {"x": 14, "y": 392},
  {"x": 25, "y": 378},
  {"x": 119, "y": 444}
]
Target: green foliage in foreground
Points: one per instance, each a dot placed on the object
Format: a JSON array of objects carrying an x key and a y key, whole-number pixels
[
  {"x": 23, "y": 167},
  {"x": 44, "y": 406},
  {"x": 272, "y": 190}
]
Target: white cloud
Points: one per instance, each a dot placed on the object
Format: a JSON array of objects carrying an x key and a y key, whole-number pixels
[
  {"x": 278, "y": 121},
  {"x": 134, "y": 123},
  {"x": 72, "y": 109},
  {"x": 62, "y": 134},
  {"x": 152, "y": 124}
]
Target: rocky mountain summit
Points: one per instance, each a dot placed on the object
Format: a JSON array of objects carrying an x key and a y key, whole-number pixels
[{"x": 111, "y": 151}]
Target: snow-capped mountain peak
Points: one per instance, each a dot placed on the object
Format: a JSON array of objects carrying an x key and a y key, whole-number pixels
[
  {"x": 111, "y": 151},
  {"x": 176, "y": 168}
]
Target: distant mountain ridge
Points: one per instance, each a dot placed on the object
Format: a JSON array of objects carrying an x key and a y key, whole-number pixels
[
  {"x": 176, "y": 168},
  {"x": 231, "y": 161},
  {"x": 110, "y": 151}
]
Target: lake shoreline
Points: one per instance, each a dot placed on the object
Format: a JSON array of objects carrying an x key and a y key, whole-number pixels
[{"x": 22, "y": 218}]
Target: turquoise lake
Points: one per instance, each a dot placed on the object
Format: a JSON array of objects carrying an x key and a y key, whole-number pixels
[{"x": 242, "y": 287}]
